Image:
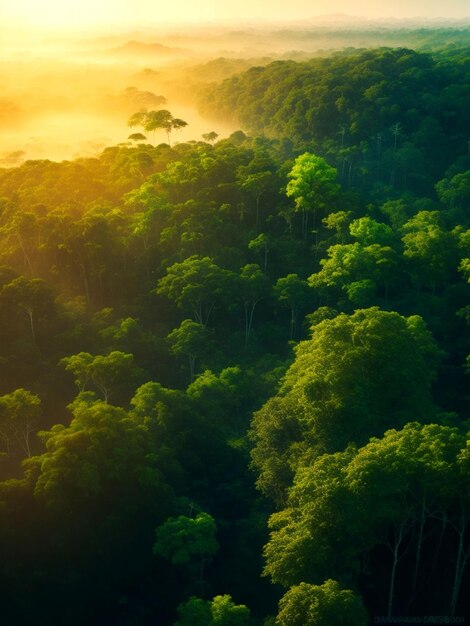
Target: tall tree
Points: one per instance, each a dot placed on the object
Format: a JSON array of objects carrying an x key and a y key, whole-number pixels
[
  {"x": 356, "y": 377},
  {"x": 20, "y": 412},
  {"x": 295, "y": 293},
  {"x": 191, "y": 340},
  {"x": 183, "y": 538},
  {"x": 254, "y": 286},
  {"x": 110, "y": 374},
  {"x": 312, "y": 186},
  {"x": 197, "y": 284}
]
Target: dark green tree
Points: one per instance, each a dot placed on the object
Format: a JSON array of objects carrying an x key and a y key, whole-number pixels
[{"x": 321, "y": 605}]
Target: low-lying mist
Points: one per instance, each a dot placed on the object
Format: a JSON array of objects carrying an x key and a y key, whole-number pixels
[
  {"x": 60, "y": 110},
  {"x": 71, "y": 95}
]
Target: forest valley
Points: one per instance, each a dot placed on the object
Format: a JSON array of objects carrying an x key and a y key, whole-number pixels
[{"x": 234, "y": 372}]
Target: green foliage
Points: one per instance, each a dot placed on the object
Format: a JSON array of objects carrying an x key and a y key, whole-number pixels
[
  {"x": 137, "y": 137},
  {"x": 341, "y": 388},
  {"x": 295, "y": 293},
  {"x": 106, "y": 373},
  {"x": 312, "y": 183},
  {"x": 313, "y": 605},
  {"x": 226, "y": 613},
  {"x": 386, "y": 116},
  {"x": 182, "y": 538},
  {"x": 220, "y": 611},
  {"x": 102, "y": 454},
  {"x": 190, "y": 339},
  {"x": 194, "y": 612},
  {"x": 355, "y": 197},
  {"x": 20, "y": 412},
  {"x": 430, "y": 250},
  {"x": 32, "y": 300},
  {"x": 368, "y": 232},
  {"x": 197, "y": 284},
  {"x": 400, "y": 482},
  {"x": 154, "y": 120},
  {"x": 358, "y": 271},
  {"x": 210, "y": 137}
]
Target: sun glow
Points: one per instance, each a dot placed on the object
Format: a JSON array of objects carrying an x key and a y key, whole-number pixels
[
  {"x": 79, "y": 14},
  {"x": 71, "y": 13}
]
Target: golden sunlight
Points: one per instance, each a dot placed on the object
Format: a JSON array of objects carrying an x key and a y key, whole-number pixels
[
  {"x": 54, "y": 14},
  {"x": 70, "y": 13}
]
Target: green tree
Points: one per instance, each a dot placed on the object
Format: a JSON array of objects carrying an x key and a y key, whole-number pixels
[
  {"x": 210, "y": 137},
  {"x": 368, "y": 231},
  {"x": 261, "y": 243},
  {"x": 220, "y": 611},
  {"x": 338, "y": 221},
  {"x": 137, "y": 137},
  {"x": 191, "y": 340},
  {"x": 312, "y": 186},
  {"x": 407, "y": 475},
  {"x": 356, "y": 377},
  {"x": 104, "y": 458},
  {"x": 455, "y": 192},
  {"x": 197, "y": 284},
  {"x": 226, "y": 613},
  {"x": 164, "y": 120},
  {"x": 33, "y": 299},
  {"x": 254, "y": 286},
  {"x": 358, "y": 271},
  {"x": 20, "y": 412},
  {"x": 395, "y": 492},
  {"x": 183, "y": 538},
  {"x": 431, "y": 251},
  {"x": 321, "y": 605},
  {"x": 460, "y": 523},
  {"x": 137, "y": 119},
  {"x": 110, "y": 374},
  {"x": 194, "y": 612},
  {"x": 256, "y": 184},
  {"x": 293, "y": 292}
]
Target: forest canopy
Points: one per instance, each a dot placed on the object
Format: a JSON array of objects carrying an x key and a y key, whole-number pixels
[{"x": 233, "y": 371}]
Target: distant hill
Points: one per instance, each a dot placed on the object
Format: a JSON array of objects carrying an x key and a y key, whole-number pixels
[{"x": 138, "y": 48}]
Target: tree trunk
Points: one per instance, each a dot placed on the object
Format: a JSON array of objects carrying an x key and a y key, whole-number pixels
[
  {"x": 192, "y": 361},
  {"x": 197, "y": 310},
  {"x": 22, "y": 437},
  {"x": 461, "y": 562},
  {"x": 249, "y": 318},
  {"x": 27, "y": 260},
  {"x": 396, "y": 557},
  {"x": 30, "y": 314},
  {"x": 392, "y": 581},
  {"x": 418, "y": 548},
  {"x": 27, "y": 449},
  {"x": 246, "y": 323},
  {"x": 85, "y": 280},
  {"x": 293, "y": 317},
  {"x": 343, "y": 168},
  {"x": 439, "y": 543}
]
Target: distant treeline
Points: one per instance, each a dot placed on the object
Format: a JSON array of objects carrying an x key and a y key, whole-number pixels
[{"x": 386, "y": 117}]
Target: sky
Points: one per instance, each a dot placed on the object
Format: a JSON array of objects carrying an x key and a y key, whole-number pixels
[{"x": 57, "y": 14}]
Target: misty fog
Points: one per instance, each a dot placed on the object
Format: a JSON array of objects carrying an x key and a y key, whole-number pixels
[
  {"x": 59, "y": 110},
  {"x": 71, "y": 95}
]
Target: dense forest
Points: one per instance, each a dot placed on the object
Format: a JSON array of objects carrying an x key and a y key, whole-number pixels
[{"x": 234, "y": 373}]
